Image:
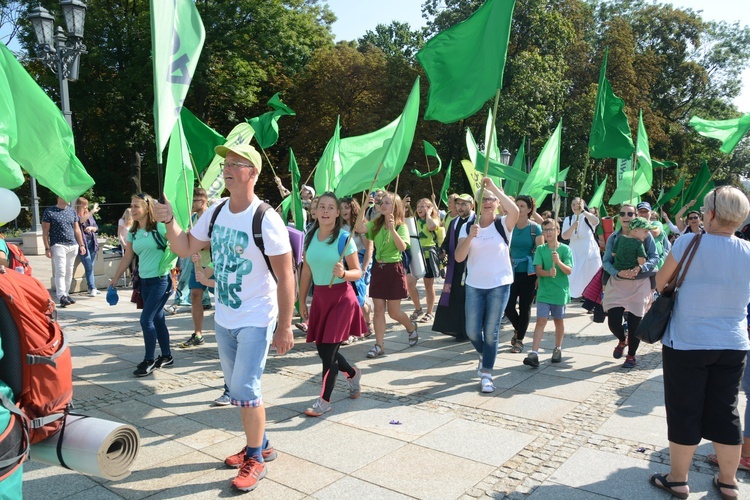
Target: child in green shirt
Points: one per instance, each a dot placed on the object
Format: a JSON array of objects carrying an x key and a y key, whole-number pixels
[
  {"x": 554, "y": 263},
  {"x": 629, "y": 251}
]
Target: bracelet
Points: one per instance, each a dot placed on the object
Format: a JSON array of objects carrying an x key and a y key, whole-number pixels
[
  {"x": 170, "y": 220},
  {"x": 343, "y": 275}
]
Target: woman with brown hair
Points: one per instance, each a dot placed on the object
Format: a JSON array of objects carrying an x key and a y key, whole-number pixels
[
  {"x": 147, "y": 239},
  {"x": 428, "y": 228},
  {"x": 89, "y": 228},
  {"x": 388, "y": 283}
]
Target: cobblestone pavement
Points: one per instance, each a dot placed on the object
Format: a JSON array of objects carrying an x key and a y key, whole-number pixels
[{"x": 584, "y": 428}]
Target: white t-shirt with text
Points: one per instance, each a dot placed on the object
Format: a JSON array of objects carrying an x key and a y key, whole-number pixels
[{"x": 245, "y": 288}]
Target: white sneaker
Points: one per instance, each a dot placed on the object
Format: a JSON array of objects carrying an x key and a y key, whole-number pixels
[
  {"x": 487, "y": 385},
  {"x": 94, "y": 292}
]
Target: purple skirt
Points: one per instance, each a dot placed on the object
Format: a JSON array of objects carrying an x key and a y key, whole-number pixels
[{"x": 334, "y": 315}]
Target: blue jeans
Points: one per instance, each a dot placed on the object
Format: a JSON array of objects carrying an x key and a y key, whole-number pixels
[
  {"x": 484, "y": 310},
  {"x": 88, "y": 262},
  {"x": 155, "y": 292}
]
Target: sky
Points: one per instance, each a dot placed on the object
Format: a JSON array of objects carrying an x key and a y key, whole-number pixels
[{"x": 355, "y": 17}]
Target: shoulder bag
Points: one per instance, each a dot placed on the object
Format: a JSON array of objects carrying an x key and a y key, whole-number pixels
[{"x": 654, "y": 323}]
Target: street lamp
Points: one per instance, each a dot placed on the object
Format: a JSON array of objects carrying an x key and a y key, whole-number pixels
[
  {"x": 505, "y": 156},
  {"x": 62, "y": 54}
]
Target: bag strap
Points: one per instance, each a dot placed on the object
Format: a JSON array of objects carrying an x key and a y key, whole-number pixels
[
  {"x": 213, "y": 218},
  {"x": 696, "y": 241},
  {"x": 260, "y": 213},
  {"x": 16, "y": 413},
  {"x": 500, "y": 229},
  {"x": 160, "y": 243},
  {"x": 673, "y": 282}
]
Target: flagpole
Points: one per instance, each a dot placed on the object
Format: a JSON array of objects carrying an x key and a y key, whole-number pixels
[
  {"x": 396, "y": 189},
  {"x": 585, "y": 169},
  {"x": 268, "y": 160},
  {"x": 488, "y": 148},
  {"x": 187, "y": 197},
  {"x": 427, "y": 161}
]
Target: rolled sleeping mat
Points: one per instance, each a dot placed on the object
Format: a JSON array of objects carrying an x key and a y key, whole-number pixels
[
  {"x": 92, "y": 446},
  {"x": 417, "y": 267}
]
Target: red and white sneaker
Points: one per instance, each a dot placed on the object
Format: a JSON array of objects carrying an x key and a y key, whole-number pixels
[
  {"x": 250, "y": 473},
  {"x": 235, "y": 461}
]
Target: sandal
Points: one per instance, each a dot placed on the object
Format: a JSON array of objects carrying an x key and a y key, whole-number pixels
[
  {"x": 743, "y": 465},
  {"x": 427, "y": 318},
  {"x": 517, "y": 347},
  {"x": 415, "y": 315},
  {"x": 719, "y": 485},
  {"x": 413, "y": 336},
  {"x": 301, "y": 325},
  {"x": 665, "y": 485},
  {"x": 370, "y": 330},
  {"x": 375, "y": 351},
  {"x": 514, "y": 339}
]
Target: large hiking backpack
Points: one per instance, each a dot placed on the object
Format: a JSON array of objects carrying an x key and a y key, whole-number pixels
[
  {"x": 17, "y": 259},
  {"x": 36, "y": 365}
]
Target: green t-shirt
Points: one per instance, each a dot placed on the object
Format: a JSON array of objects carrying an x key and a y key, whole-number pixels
[
  {"x": 149, "y": 255},
  {"x": 522, "y": 243},
  {"x": 555, "y": 291},
  {"x": 626, "y": 252},
  {"x": 385, "y": 249},
  {"x": 321, "y": 256}
]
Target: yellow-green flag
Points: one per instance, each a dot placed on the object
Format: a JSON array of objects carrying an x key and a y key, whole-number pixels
[
  {"x": 328, "y": 171},
  {"x": 34, "y": 135},
  {"x": 598, "y": 198},
  {"x": 266, "y": 126},
  {"x": 429, "y": 150},
  {"x": 729, "y": 132},
  {"x": 545, "y": 171},
  {"x": 466, "y": 62},
  {"x": 177, "y": 37},
  {"x": 179, "y": 177},
  {"x": 446, "y": 184},
  {"x": 610, "y": 132}
]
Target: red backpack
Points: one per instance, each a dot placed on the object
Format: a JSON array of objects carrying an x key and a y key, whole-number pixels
[
  {"x": 16, "y": 258},
  {"x": 36, "y": 365}
]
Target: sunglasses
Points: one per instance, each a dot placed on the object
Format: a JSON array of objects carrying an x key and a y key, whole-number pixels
[
  {"x": 627, "y": 214},
  {"x": 143, "y": 196},
  {"x": 693, "y": 217}
]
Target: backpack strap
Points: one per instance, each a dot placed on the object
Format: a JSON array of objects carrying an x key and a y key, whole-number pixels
[
  {"x": 501, "y": 229},
  {"x": 213, "y": 218},
  {"x": 16, "y": 416},
  {"x": 532, "y": 230},
  {"x": 260, "y": 213},
  {"x": 160, "y": 243}
]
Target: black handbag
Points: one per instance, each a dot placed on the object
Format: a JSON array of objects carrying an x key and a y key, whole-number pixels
[{"x": 655, "y": 321}]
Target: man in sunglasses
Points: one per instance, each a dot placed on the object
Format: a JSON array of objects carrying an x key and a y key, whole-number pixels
[
  {"x": 628, "y": 290},
  {"x": 248, "y": 299}
]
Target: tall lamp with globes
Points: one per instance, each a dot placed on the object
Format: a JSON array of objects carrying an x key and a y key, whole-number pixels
[{"x": 61, "y": 51}]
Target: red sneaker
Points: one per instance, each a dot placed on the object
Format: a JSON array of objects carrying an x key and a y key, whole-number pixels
[
  {"x": 235, "y": 461},
  {"x": 250, "y": 473}
]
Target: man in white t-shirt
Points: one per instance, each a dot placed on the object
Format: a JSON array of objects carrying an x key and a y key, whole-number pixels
[{"x": 248, "y": 299}]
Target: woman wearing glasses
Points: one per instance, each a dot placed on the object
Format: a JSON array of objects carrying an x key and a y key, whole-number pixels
[
  {"x": 147, "y": 239},
  {"x": 692, "y": 222},
  {"x": 705, "y": 348},
  {"x": 627, "y": 290}
]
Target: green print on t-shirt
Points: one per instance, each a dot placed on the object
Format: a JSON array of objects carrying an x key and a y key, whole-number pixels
[{"x": 227, "y": 247}]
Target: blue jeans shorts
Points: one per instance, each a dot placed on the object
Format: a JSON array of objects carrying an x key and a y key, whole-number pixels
[
  {"x": 243, "y": 352},
  {"x": 543, "y": 310}
]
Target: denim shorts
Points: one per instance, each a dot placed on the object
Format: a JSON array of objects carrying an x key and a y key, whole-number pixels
[
  {"x": 543, "y": 311},
  {"x": 193, "y": 283},
  {"x": 243, "y": 352}
]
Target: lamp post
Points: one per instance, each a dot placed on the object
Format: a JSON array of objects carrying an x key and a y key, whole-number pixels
[
  {"x": 61, "y": 52},
  {"x": 505, "y": 156}
]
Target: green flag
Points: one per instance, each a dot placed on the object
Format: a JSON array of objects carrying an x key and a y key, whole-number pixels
[
  {"x": 297, "y": 210},
  {"x": 201, "y": 139},
  {"x": 328, "y": 171},
  {"x": 663, "y": 164},
  {"x": 672, "y": 193},
  {"x": 698, "y": 187},
  {"x": 598, "y": 198},
  {"x": 177, "y": 37},
  {"x": 475, "y": 176},
  {"x": 626, "y": 192},
  {"x": 644, "y": 156},
  {"x": 545, "y": 170},
  {"x": 266, "y": 126},
  {"x": 362, "y": 156},
  {"x": 490, "y": 137},
  {"x": 610, "y": 132},
  {"x": 179, "y": 177},
  {"x": 446, "y": 184},
  {"x": 212, "y": 180},
  {"x": 519, "y": 164},
  {"x": 729, "y": 132},
  {"x": 465, "y": 63},
  {"x": 429, "y": 150},
  {"x": 496, "y": 169},
  {"x": 34, "y": 135}
]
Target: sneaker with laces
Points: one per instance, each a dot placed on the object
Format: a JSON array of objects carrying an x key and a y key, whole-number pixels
[
  {"x": 319, "y": 407},
  {"x": 194, "y": 341},
  {"x": 617, "y": 353},
  {"x": 532, "y": 360},
  {"x": 413, "y": 335},
  {"x": 504, "y": 320},
  {"x": 629, "y": 362},
  {"x": 353, "y": 383},
  {"x": 487, "y": 385},
  {"x": 375, "y": 351},
  {"x": 64, "y": 302},
  {"x": 145, "y": 367},
  {"x": 250, "y": 473},
  {"x": 163, "y": 361},
  {"x": 557, "y": 355},
  {"x": 235, "y": 461},
  {"x": 94, "y": 292},
  {"x": 71, "y": 299},
  {"x": 224, "y": 400}
]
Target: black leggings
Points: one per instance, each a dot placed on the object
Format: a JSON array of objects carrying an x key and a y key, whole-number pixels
[
  {"x": 522, "y": 290},
  {"x": 614, "y": 316},
  {"x": 333, "y": 361}
]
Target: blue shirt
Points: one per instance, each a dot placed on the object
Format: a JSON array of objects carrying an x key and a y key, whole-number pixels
[
  {"x": 720, "y": 271},
  {"x": 61, "y": 222}
]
